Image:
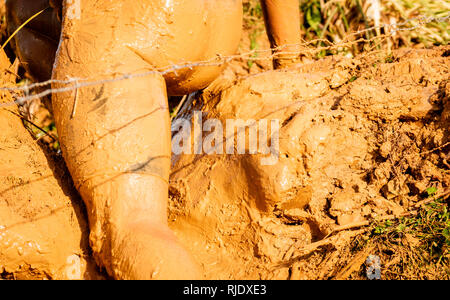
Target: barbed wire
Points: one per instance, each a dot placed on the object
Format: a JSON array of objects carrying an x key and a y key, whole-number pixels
[{"x": 254, "y": 55}]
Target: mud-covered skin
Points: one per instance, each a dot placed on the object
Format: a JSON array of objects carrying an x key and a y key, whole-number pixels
[
  {"x": 282, "y": 21},
  {"x": 283, "y": 25},
  {"x": 117, "y": 144},
  {"x": 115, "y": 138}
]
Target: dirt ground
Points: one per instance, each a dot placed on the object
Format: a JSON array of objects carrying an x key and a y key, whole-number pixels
[{"x": 361, "y": 140}]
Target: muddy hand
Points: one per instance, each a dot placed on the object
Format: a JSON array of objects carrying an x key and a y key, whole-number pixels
[{"x": 36, "y": 43}]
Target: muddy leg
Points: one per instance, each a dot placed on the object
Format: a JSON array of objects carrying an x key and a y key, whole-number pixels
[
  {"x": 115, "y": 138},
  {"x": 283, "y": 26}
]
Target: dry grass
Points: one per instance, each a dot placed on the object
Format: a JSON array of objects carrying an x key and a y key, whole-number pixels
[{"x": 335, "y": 21}]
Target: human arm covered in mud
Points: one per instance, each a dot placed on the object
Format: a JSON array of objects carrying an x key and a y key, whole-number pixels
[{"x": 282, "y": 18}]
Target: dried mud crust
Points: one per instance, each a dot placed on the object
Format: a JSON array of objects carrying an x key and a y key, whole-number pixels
[{"x": 360, "y": 139}]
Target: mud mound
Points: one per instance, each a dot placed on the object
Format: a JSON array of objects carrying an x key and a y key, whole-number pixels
[
  {"x": 43, "y": 232},
  {"x": 359, "y": 140}
]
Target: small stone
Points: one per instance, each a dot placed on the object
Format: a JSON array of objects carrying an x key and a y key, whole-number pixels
[
  {"x": 300, "y": 201},
  {"x": 385, "y": 149},
  {"x": 349, "y": 219}
]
